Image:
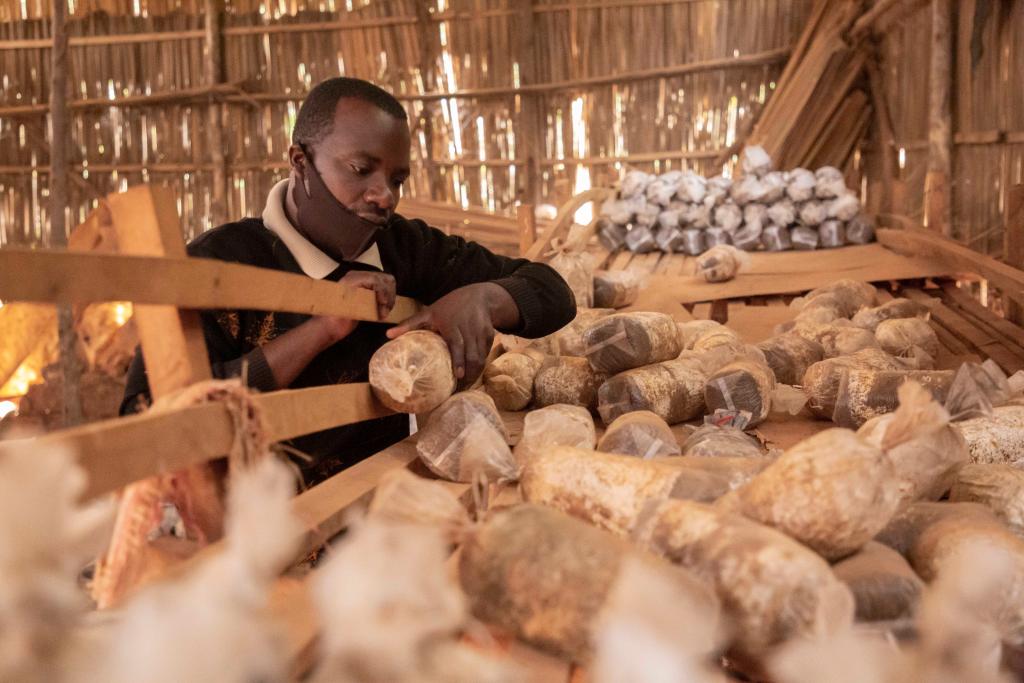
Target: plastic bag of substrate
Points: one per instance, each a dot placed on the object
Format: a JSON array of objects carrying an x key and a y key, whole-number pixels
[
  {"x": 569, "y": 380},
  {"x": 717, "y": 190},
  {"x": 648, "y": 215},
  {"x": 790, "y": 355},
  {"x": 978, "y": 389},
  {"x": 673, "y": 390},
  {"x": 747, "y": 190},
  {"x": 728, "y": 217},
  {"x": 755, "y": 215},
  {"x": 848, "y": 295},
  {"x": 640, "y": 240},
  {"x": 696, "y": 216},
  {"x": 556, "y": 425},
  {"x": 870, "y": 318},
  {"x": 828, "y": 183},
  {"x": 642, "y": 434},
  {"x": 722, "y": 263},
  {"x": 568, "y": 341},
  {"x": 782, "y": 213},
  {"x": 800, "y": 185},
  {"x": 508, "y": 379},
  {"x": 611, "y": 235},
  {"x": 864, "y": 394},
  {"x": 577, "y": 269},
  {"x": 776, "y": 238},
  {"x": 716, "y": 236},
  {"x": 634, "y": 184},
  {"x": 744, "y": 388},
  {"x": 465, "y": 437},
  {"x": 774, "y": 186},
  {"x": 812, "y": 214},
  {"x": 630, "y": 340},
  {"x": 860, "y": 230},
  {"x": 712, "y": 440},
  {"x": 692, "y": 188},
  {"x": 821, "y": 381},
  {"x": 748, "y": 238},
  {"x": 412, "y": 374},
  {"x": 693, "y": 243},
  {"x": 669, "y": 218},
  {"x": 661, "y": 191},
  {"x": 669, "y": 240},
  {"x": 845, "y": 207},
  {"x": 615, "y": 288},
  {"x": 755, "y": 161},
  {"x": 902, "y": 335},
  {"x": 804, "y": 239},
  {"x": 831, "y": 234},
  {"x": 618, "y": 211}
]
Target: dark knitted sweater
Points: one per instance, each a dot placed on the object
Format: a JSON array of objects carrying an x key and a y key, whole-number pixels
[{"x": 426, "y": 265}]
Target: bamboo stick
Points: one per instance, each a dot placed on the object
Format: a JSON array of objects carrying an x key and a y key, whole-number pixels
[
  {"x": 96, "y": 41},
  {"x": 214, "y": 76},
  {"x": 202, "y": 93},
  {"x": 937, "y": 206}
]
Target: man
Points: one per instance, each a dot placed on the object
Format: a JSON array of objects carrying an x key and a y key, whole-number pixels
[{"x": 334, "y": 218}]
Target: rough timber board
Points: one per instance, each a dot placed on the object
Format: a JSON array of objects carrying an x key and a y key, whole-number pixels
[{"x": 790, "y": 272}]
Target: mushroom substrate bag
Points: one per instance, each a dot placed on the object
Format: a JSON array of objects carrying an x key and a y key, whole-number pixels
[
  {"x": 860, "y": 230},
  {"x": 569, "y": 380},
  {"x": 996, "y": 486},
  {"x": 744, "y": 387},
  {"x": 508, "y": 379},
  {"x": 870, "y": 318},
  {"x": 615, "y": 288},
  {"x": 640, "y": 434},
  {"x": 412, "y": 374},
  {"x": 996, "y": 438},
  {"x": 672, "y": 390},
  {"x": 884, "y": 586},
  {"x": 557, "y": 425},
  {"x": 640, "y": 239},
  {"x": 630, "y": 340},
  {"x": 722, "y": 263},
  {"x": 865, "y": 393},
  {"x": 822, "y": 379},
  {"x": 790, "y": 355},
  {"x": 902, "y": 335},
  {"x": 465, "y": 437},
  {"x": 831, "y": 234},
  {"x": 776, "y": 238},
  {"x": 712, "y": 440}
]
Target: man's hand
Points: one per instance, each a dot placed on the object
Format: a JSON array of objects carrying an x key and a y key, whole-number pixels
[
  {"x": 382, "y": 285},
  {"x": 466, "y": 318}
]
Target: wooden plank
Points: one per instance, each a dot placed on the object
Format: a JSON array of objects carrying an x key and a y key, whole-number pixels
[
  {"x": 527, "y": 221},
  {"x": 564, "y": 220},
  {"x": 956, "y": 257},
  {"x": 937, "y": 198},
  {"x": 970, "y": 334},
  {"x": 65, "y": 277},
  {"x": 119, "y": 451},
  {"x": 794, "y": 272},
  {"x": 621, "y": 260},
  {"x": 145, "y": 219},
  {"x": 1009, "y": 335},
  {"x": 1014, "y": 236}
]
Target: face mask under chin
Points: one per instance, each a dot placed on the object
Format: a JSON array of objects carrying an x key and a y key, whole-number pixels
[{"x": 326, "y": 222}]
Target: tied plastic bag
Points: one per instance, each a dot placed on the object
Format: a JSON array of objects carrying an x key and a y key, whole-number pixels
[
  {"x": 845, "y": 207},
  {"x": 692, "y": 188},
  {"x": 884, "y": 586},
  {"x": 661, "y": 191},
  {"x": 716, "y": 236},
  {"x": 743, "y": 387},
  {"x": 860, "y": 230},
  {"x": 570, "y": 260},
  {"x": 669, "y": 240},
  {"x": 728, "y": 217},
  {"x": 712, "y": 440},
  {"x": 673, "y": 390},
  {"x": 508, "y": 379},
  {"x": 568, "y": 341},
  {"x": 618, "y": 211},
  {"x": 831, "y": 234},
  {"x": 669, "y": 218},
  {"x": 640, "y": 240},
  {"x": 642, "y": 434},
  {"x": 804, "y": 239},
  {"x": 465, "y": 438},
  {"x": 901, "y": 336},
  {"x": 756, "y": 161},
  {"x": 755, "y": 215},
  {"x": 870, "y": 318},
  {"x": 616, "y": 288},
  {"x": 977, "y": 389},
  {"x": 629, "y": 340},
  {"x": 782, "y": 213},
  {"x": 569, "y": 380},
  {"x": 801, "y": 184},
  {"x": 821, "y": 381},
  {"x": 634, "y": 184},
  {"x": 647, "y": 215},
  {"x": 693, "y": 243},
  {"x": 612, "y": 236},
  {"x": 828, "y": 183},
  {"x": 776, "y": 238},
  {"x": 717, "y": 190},
  {"x": 848, "y": 295},
  {"x": 412, "y": 374},
  {"x": 789, "y": 356},
  {"x": 722, "y": 263},
  {"x": 775, "y": 187},
  {"x": 812, "y": 214},
  {"x": 748, "y": 238},
  {"x": 747, "y": 190},
  {"x": 556, "y": 425},
  {"x": 864, "y": 394}
]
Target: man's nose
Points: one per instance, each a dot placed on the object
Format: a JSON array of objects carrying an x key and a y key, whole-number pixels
[{"x": 380, "y": 195}]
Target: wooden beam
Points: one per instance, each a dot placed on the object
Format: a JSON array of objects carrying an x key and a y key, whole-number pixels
[
  {"x": 70, "y": 369},
  {"x": 146, "y": 222},
  {"x": 527, "y": 220},
  {"x": 213, "y": 72},
  {"x": 937, "y": 208},
  {"x": 563, "y": 221},
  {"x": 883, "y": 121},
  {"x": 116, "y": 452},
  {"x": 924, "y": 243},
  {"x": 529, "y": 124},
  {"x": 56, "y": 277},
  {"x": 1014, "y": 239}
]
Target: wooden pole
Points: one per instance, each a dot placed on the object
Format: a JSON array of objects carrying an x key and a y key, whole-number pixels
[
  {"x": 428, "y": 35},
  {"x": 1014, "y": 237},
  {"x": 937, "y": 213},
  {"x": 529, "y": 143},
  {"x": 214, "y": 75},
  {"x": 527, "y": 219},
  {"x": 60, "y": 142},
  {"x": 887, "y": 137}
]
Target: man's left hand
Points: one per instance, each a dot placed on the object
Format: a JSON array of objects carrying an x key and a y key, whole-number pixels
[{"x": 466, "y": 319}]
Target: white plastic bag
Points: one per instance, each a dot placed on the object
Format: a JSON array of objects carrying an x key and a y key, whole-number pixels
[{"x": 722, "y": 263}]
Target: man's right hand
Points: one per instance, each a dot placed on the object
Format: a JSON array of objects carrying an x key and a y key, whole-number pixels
[{"x": 382, "y": 285}]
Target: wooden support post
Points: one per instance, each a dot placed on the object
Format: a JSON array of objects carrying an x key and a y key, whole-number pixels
[
  {"x": 886, "y": 136},
  {"x": 527, "y": 220},
  {"x": 428, "y": 35},
  {"x": 529, "y": 124},
  {"x": 937, "y": 202},
  {"x": 1014, "y": 239},
  {"x": 60, "y": 142},
  {"x": 146, "y": 222},
  {"x": 213, "y": 45}
]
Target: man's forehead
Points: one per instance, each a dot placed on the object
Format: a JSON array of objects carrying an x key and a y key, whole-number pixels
[{"x": 364, "y": 124}]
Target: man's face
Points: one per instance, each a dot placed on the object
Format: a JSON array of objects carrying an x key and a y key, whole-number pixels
[{"x": 365, "y": 159}]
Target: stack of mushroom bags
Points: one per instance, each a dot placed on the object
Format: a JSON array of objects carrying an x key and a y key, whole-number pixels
[
  {"x": 683, "y": 212},
  {"x": 870, "y": 521}
]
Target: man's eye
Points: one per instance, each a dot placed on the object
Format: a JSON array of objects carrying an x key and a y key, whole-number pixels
[
  {"x": 360, "y": 170},
  {"x": 399, "y": 181}
]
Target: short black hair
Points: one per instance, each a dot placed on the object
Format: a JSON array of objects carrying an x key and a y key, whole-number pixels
[{"x": 316, "y": 115}]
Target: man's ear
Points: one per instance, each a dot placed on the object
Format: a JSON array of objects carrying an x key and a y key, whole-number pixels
[{"x": 297, "y": 159}]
